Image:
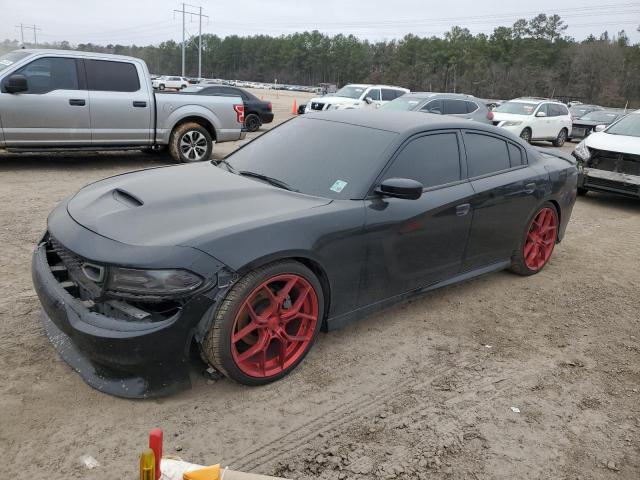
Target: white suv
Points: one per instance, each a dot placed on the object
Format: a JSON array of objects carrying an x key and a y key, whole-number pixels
[
  {"x": 356, "y": 96},
  {"x": 535, "y": 119},
  {"x": 170, "y": 82}
]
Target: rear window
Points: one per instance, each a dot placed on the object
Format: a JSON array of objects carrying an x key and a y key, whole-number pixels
[
  {"x": 109, "y": 76},
  {"x": 485, "y": 154}
]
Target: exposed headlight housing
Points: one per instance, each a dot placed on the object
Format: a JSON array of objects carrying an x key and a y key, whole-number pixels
[
  {"x": 511, "y": 123},
  {"x": 151, "y": 282},
  {"x": 582, "y": 152}
]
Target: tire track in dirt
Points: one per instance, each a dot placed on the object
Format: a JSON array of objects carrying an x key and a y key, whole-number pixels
[{"x": 348, "y": 413}]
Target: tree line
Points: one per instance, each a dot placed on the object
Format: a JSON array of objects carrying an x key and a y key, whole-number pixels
[{"x": 531, "y": 57}]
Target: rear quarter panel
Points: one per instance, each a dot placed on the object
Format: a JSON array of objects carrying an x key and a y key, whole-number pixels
[{"x": 172, "y": 108}]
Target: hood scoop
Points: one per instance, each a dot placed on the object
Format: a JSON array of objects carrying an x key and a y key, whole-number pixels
[{"x": 126, "y": 198}]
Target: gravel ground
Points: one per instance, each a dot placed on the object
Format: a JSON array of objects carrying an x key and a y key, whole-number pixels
[{"x": 426, "y": 389}]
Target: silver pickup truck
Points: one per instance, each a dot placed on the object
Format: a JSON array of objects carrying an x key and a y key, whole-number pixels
[{"x": 52, "y": 100}]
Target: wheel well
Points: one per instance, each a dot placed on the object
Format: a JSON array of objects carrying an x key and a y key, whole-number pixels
[
  {"x": 200, "y": 121},
  {"x": 557, "y": 207},
  {"x": 324, "y": 282}
]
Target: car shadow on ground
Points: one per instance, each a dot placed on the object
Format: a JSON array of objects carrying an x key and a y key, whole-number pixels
[
  {"x": 611, "y": 200},
  {"x": 82, "y": 160}
]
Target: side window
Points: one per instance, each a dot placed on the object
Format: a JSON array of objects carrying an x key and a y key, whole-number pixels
[
  {"x": 432, "y": 160},
  {"x": 558, "y": 110},
  {"x": 434, "y": 106},
  {"x": 47, "y": 74},
  {"x": 471, "y": 106},
  {"x": 515, "y": 155},
  {"x": 454, "y": 107},
  {"x": 388, "y": 94},
  {"x": 399, "y": 93},
  {"x": 543, "y": 108},
  {"x": 108, "y": 76},
  {"x": 374, "y": 94},
  {"x": 485, "y": 154}
]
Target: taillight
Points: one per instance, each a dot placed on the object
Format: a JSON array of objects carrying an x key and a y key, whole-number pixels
[
  {"x": 490, "y": 115},
  {"x": 269, "y": 107},
  {"x": 239, "y": 113}
]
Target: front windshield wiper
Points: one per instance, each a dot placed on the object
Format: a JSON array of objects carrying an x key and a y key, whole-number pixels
[
  {"x": 226, "y": 164},
  {"x": 273, "y": 181}
]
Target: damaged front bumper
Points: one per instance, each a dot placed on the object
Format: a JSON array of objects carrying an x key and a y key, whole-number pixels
[{"x": 608, "y": 181}]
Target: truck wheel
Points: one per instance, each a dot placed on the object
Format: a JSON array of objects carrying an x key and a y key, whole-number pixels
[
  {"x": 161, "y": 86},
  {"x": 536, "y": 245},
  {"x": 190, "y": 142},
  {"x": 252, "y": 122},
  {"x": 561, "y": 138},
  {"x": 266, "y": 324}
]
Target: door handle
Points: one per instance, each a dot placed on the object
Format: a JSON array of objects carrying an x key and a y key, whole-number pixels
[
  {"x": 462, "y": 210},
  {"x": 77, "y": 102},
  {"x": 140, "y": 104},
  {"x": 529, "y": 188}
]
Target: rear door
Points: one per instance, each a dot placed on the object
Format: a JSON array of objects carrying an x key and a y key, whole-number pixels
[
  {"x": 416, "y": 243},
  {"x": 53, "y": 111},
  {"x": 506, "y": 193},
  {"x": 121, "y": 110}
]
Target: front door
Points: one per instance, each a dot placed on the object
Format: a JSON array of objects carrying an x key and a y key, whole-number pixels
[
  {"x": 416, "y": 243},
  {"x": 54, "y": 111},
  {"x": 121, "y": 110}
]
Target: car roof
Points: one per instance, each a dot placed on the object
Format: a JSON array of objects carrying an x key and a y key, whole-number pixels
[
  {"x": 367, "y": 85},
  {"x": 398, "y": 122},
  {"x": 454, "y": 96},
  {"x": 536, "y": 100},
  {"x": 80, "y": 53}
]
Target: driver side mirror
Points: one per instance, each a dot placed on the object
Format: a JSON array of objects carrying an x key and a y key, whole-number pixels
[
  {"x": 368, "y": 100},
  {"x": 600, "y": 128},
  {"x": 400, "y": 188},
  {"x": 16, "y": 83},
  {"x": 541, "y": 114}
]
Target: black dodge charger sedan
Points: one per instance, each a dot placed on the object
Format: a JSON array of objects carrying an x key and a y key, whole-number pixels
[{"x": 249, "y": 258}]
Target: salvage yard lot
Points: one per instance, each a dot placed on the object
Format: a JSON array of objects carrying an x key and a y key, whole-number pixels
[{"x": 421, "y": 390}]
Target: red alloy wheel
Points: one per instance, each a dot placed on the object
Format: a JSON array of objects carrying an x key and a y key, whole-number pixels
[
  {"x": 541, "y": 239},
  {"x": 274, "y": 326}
]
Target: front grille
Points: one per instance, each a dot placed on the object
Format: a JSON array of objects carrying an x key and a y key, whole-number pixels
[
  {"x": 615, "y": 162},
  {"x": 317, "y": 106},
  {"x": 610, "y": 185},
  {"x": 73, "y": 262}
]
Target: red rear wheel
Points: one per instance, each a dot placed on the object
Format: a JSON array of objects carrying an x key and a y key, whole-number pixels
[
  {"x": 266, "y": 324},
  {"x": 274, "y": 326},
  {"x": 541, "y": 239}
]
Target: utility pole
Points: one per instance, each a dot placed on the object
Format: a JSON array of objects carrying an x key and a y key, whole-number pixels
[
  {"x": 184, "y": 13},
  {"x": 21, "y": 34},
  {"x": 22, "y": 26}
]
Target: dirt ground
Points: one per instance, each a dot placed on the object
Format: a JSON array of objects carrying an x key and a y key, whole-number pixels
[{"x": 422, "y": 390}]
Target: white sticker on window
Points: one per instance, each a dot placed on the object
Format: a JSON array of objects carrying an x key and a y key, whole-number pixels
[
  {"x": 6, "y": 62},
  {"x": 338, "y": 186}
]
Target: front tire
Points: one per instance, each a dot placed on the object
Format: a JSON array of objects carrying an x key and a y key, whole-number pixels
[
  {"x": 266, "y": 324},
  {"x": 536, "y": 245},
  {"x": 161, "y": 86},
  {"x": 190, "y": 142},
  {"x": 561, "y": 138},
  {"x": 526, "y": 135}
]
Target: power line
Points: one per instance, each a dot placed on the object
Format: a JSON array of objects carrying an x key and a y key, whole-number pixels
[
  {"x": 199, "y": 14},
  {"x": 35, "y": 29}
]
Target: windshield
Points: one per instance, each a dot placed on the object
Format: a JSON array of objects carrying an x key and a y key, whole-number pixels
[
  {"x": 350, "y": 92},
  {"x": 581, "y": 110},
  {"x": 10, "y": 58},
  {"x": 331, "y": 159},
  {"x": 402, "y": 104},
  {"x": 629, "y": 125},
  {"x": 599, "y": 116},
  {"x": 517, "y": 108}
]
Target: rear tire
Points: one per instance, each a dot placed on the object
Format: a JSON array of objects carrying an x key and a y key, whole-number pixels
[
  {"x": 254, "y": 317},
  {"x": 526, "y": 135},
  {"x": 190, "y": 142},
  {"x": 561, "y": 138},
  {"x": 252, "y": 122},
  {"x": 537, "y": 241}
]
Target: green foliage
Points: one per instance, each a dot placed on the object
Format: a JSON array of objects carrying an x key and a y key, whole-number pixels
[{"x": 531, "y": 57}]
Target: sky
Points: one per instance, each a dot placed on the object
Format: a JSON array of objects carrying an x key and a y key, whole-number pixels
[{"x": 144, "y": 22}]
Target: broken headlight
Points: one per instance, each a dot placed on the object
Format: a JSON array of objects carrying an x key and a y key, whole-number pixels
[
  {"x": 582, "y": 152},
  {"x": 152, "y": 282}
]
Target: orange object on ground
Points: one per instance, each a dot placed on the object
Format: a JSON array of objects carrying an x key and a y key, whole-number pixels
[
  {"x": 294, "y": 108},
  {"x": 147, "y": 465},
  {"x": 206, "y": 473},
  {"x": 155, "y": 444}
]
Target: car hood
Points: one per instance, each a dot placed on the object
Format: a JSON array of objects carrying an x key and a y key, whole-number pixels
[
  {"x": 335, "y": 100},
  {"x": 614, "y": 143},
  {"x": 501, "y": 117},
  {"x": 181, "y": 205}
]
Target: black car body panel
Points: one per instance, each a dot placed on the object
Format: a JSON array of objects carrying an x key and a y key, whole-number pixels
[
  {"x": 368, "y": 251},
  {"x": 252, "y": 104}
]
